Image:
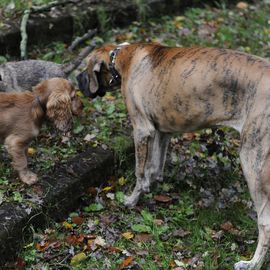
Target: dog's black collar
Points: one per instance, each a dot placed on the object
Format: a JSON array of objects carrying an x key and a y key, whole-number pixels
[
  {"x": 42, "y": 106},
  {"x": 116, "y": 78}
]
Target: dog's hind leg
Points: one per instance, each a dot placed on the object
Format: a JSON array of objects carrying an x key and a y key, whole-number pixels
[
  {"x": 156, "y": 158},
  {"x": 16, "y": 147},
  {"x": 256, "y": 168}
]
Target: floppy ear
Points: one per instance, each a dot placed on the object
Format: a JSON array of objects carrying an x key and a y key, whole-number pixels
[
  {"x": 59, "y": 110},
  {"x": 93, "y": 76},
  {"x": 83, "y": 83}
]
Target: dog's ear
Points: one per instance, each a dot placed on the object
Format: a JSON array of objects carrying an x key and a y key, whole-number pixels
[
  {"x": 93, "y": 76},
  {"x": 83, "y": 83},
  {"x": 59, "y": 109}
]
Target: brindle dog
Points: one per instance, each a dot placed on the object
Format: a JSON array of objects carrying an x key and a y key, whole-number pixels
[{"x": 170, "y": 90}]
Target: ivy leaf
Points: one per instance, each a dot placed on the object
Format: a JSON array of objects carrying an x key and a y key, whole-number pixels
[
  {"x": 120, "y": 197},
  {"x": 94, "y": 207}
]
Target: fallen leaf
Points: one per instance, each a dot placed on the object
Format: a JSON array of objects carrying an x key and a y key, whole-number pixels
[
  {"x": 179, "y": 263},
  {"x": 162, "y": 198},
  {"x": 92, "y": 190},
  {"x": 100, "y": 241},
  {"x": 31, "y": 151},
  {"x": 78, "y": 258},
  {"x": 114, "y": 250},
  {"x": 158, "y": 222},
  {"x": 106, "y": 189},
  {"x": 125, "y": 263},
  {"x": 128, "y": 235},
  {"x": 75, "y": 240},
  {"x": 43, "y": 246},
  {"x": 77, "y": 220},
  {"x": 67, "y": 225},
  {"x": 143, "y": 237},
  {"x": 122, "y": 181},
  {"x": 20, "y": 263},
  {"x": 227, "y": 226},
  {"x": 242, "y": 5}
]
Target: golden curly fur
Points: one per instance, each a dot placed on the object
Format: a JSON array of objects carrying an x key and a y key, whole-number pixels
[{"x": 22, "y": 114}]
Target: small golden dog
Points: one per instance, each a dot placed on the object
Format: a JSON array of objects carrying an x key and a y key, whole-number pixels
[{"x": 22, "y": 114}]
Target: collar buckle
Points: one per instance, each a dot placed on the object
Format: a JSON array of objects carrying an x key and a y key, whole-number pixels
[{"x": 116, "y": 78}]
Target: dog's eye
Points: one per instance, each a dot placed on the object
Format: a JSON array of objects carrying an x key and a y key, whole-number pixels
[{"x": 1, "y": 78}]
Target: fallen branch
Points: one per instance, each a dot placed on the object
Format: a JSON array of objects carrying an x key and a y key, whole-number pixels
[
  {"x": 79, "y": 40},
  {"x": 68, "y": 68},
  {"x": 51, "y": 5},
  {"x": 23, "y": 44}
]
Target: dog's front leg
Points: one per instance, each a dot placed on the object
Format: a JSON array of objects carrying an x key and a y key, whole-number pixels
[{"x": 16, "y": 147}]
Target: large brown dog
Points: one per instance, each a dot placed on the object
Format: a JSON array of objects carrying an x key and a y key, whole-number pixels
[
  {"x": 169, "y": 90},
  {"x": 22, "y": 114}
]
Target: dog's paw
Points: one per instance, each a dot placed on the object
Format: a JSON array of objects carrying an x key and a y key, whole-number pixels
[
  {"x": 243, "y": 265},
  {"x": 130, "y": 201},
  {"x": 28, "y": 177},
  {"x": 145, "y": 186}
]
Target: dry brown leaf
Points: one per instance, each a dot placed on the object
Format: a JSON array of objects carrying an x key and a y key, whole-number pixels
[
  {"x": 143, "y": 237},
  {"x": 75, "y": 240},
  {"x": 162, "y": 198},
  {"x": 227, "y": 226},
  {"x": 242, "y": 5},
  {"x": 42, "y": 246},
  {"x": 126, "y": 262},
  {"x": 20, "y": 263},
  {"x": 114, "y": 250},
  {"x": 77, "y": 220}
]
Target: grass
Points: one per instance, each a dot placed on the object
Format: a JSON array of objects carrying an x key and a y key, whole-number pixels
[{"x": 203, "y": 217}]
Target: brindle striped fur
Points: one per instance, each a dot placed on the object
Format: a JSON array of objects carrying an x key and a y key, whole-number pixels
[{"x": 169, "y": 90}]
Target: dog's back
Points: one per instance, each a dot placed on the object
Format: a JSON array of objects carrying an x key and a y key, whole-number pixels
[{"x": 22, "y": 75}]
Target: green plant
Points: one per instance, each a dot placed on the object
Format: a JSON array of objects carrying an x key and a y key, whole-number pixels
[
  {"x": 103, "y": 18},
  {"x": 143, "y": 9}
]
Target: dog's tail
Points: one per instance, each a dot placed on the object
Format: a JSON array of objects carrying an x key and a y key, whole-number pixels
[{"x": 69, "y": 67}]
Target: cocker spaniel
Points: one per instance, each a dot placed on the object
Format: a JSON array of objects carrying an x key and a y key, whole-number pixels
[{"x": 22, "y": 114}]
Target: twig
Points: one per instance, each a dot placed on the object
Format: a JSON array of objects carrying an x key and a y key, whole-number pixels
[
  {"x": 68, "y": 68},
  {"x": 79, "y": 40},
  {"x": 23, "y": 44},
  {"x": 51, "y": 5}
]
